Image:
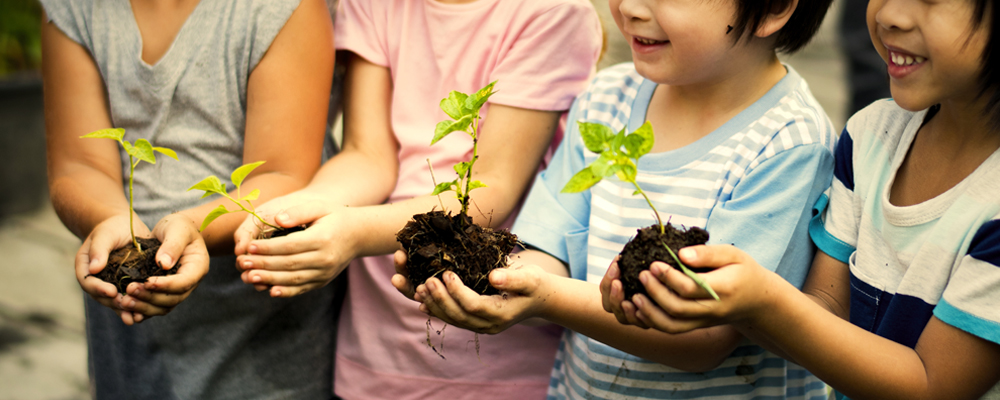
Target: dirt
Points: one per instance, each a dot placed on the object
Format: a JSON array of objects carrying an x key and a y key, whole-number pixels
[
  {"x": 647, "y": 246},
  {"x": 284, "y": 232},
  {"x": 127, "y": 265},
  {"x": 436, "y": 242}
]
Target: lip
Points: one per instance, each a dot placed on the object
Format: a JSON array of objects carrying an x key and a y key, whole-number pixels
[
  {"x": 902, "y": 63},
  {"x": 644, "y": 48}
]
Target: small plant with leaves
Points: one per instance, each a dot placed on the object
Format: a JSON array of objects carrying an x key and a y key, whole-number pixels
[
  {"x": 436, "y": 242},
  {"x": 135, "y": 264},
  {"x": 213, "y": 185},
  {"x": 618, "y": 155}
]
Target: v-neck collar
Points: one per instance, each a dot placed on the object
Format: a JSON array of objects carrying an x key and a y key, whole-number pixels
[{"x": 168, "y": 67}]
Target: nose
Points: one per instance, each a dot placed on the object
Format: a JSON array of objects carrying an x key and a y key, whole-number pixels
[
  {"x": 892, "y": 14},
  {"x": 634, "y": 10}
]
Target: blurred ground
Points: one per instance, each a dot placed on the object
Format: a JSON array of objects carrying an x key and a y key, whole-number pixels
[{"x": 42, "y": 341}]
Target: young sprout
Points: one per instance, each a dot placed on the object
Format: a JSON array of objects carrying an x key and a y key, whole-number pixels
[
  {"x": 464, "y": 111},
  {"x": 141, "y": 151},
  {"x": 619, "y": 155},
  {"x": 212, "y": 185}
]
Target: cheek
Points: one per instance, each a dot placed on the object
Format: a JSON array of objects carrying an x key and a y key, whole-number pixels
[{"x": 870, "y": 17}]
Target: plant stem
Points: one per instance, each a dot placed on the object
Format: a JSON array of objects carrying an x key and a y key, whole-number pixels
[
  {"x": 697, "y": 279},
  {"x": 131, "y": 209},
  {"x": 250, "y": 211},
  {"x": 468, "y": 174},
  {"x": 434, "y": 181},
  {"x": 655, "y": 213}
]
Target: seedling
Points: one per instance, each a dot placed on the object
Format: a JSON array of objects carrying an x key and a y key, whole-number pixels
[
  {"x": 212, "y": 185},
  {"x": 464, "y": 111},
  {"x": 619, "y": 155},
  {"x": 141, "y": 151}
]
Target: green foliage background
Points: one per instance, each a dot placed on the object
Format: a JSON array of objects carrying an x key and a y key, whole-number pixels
[{"x": 20, "y": 44}]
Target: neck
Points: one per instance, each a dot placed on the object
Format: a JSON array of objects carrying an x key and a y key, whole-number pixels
[{"x": 963, "y": 125}]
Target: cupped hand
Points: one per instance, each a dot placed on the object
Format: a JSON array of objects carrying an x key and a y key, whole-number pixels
[
  {"x": 676, "y": 304},
  {"x": 401, "y": 279},
  {"x": 274, "y": 212},
  {"x": 180, "y": 242},
  {"x": 92, "y": 257},
  {"x": 524, "y": 289},
  {"x": 613, "y": 298},
  {"x": 302, "y": 261}
]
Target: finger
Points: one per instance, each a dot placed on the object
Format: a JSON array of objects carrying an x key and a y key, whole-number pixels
[
  {"x": 441, "y": 303},
  {"x": 519, "y": 279},
  {"x": 672, "y": 303},
  {"x": 628, "y": 310},
  {"x": 158, "y": 299},
  {"x": 194, "y": 267},
  {"x": 173, "y": 244},
  {"x": 467, "y": 299},
  {"x": 616, "y": 297},
  {"x": 96, "y": 288},
  {"x": 246, "y": 233},
  {"x": 653, "y": 316},
  {"x": 292, "y": 291},
  {"x": 664, "y": 276},
  {"x": 287, "y": 245},
  {"x": 287, "y": 278},
  {"x": 713, "y": 256},
  {"x": 610, "y": 276},
  {"x": 127, "y": 318},
  {"x": 101, "y": 246},
  {"x": 302, "y": 214},
  {"x": 399, "y": 260},
  {"x": 136, "y": 306},
  {"x": 403, "y": 285},
  {"x": 290, "y": 262}
]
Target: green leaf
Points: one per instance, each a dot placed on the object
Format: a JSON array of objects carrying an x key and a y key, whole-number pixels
[
  {"x": 626, "y": 172},
  {"x": 583, "y": 180},
  {"x": 595, "y": 136},
  {"x": 636, "y": 192},
  {"x": 617, "y": 141},
  {"x": 128, "y": 148},
  {"x": 445, "y": 127},
  {"x": 167, "y": 152},
  {"x": 462, "y": 168},
  {"x": 605, "y": 164},
  {"x": 646, "y": 132},
  {"x": 110, "y": 133},
  {"x": 241, "y": 173},
  {"x": 212, "y": 184},
  {"x": 476, "y": 185},
  {"x": 216, "y": 213},
  {"x": 143, "y": 150},
  {"x": 443, "y": 187},
  {"x": 454, "y": 104},
  {"x": 476, "y": 101},
  {"x": 252, "y": 196}
]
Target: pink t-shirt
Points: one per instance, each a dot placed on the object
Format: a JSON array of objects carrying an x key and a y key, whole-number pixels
[{"x": 542, "y": 53}]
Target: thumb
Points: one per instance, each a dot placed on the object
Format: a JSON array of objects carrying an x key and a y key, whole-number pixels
[
  {"x": 714, "y": 256},
  {"x": 518, "y": 280},
  {"x": 302, "y": 214},
  {"x": 174, "y": 238}
]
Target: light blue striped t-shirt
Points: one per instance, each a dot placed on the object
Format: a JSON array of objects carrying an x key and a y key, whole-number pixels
[{"x": 752, "y": 183}]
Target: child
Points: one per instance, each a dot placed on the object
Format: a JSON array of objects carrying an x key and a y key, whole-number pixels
[
  {"x": 905, "y": 289},
  {"x": 741, "y": 148},
  {"x": 406, "y": 56},
  {"x": 222, "y": 83}
]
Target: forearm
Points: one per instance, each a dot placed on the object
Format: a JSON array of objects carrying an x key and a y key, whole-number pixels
[
  {"x": 576, "y": 305},
  {"x": 355, "y": 178},
  {"x": 84, "y": 198}
]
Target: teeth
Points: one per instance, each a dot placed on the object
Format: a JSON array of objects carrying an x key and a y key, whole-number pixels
[
  {"x": 902, "y": 60},
  {"x": 646, "y": 41}
]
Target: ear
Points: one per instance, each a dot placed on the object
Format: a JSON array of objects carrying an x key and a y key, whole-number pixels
[{"x": 776, "y": 20}]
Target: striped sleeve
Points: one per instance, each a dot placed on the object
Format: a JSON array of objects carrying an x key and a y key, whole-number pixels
[
  {"x": 834, "y": 228},
  {"x": 971, "y": 301}
]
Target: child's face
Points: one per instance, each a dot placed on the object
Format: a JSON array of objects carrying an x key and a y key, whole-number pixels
[
  {"x": 932, "y": 53},
  {"x": 678, "y": 42}
]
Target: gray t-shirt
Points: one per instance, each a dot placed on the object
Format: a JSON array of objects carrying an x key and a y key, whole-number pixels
[{"x": 226, "y": 340}]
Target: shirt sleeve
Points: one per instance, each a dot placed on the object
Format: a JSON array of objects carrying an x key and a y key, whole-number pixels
[
  {"x": 551, "y": 59},
  {"x": 770, "y": 208},
  {"x": 358, "y": 30},
  {"x": 971, "y": 301},
  {"x": 834, "y": 228},
  {"x": 72, "y": 18},
  {"x": 556, "y": 222}
]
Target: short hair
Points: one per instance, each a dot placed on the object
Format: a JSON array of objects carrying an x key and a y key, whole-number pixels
[
  {"x": 796, "y": 33},
  {"x": 989, "y": 77}
]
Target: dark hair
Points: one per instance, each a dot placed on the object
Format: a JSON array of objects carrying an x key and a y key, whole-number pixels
[
  {"x": 799, "y": 29},
  {"x": 989, "y": 78}
]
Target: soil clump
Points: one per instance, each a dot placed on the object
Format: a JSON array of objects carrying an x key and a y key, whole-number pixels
[
  {"x": 436, "y": 242},
  {"x": 647, "y": 246},
  {"x": 127, "y": 265}
]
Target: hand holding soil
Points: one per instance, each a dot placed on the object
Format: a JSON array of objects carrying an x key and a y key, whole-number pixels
[
  {"x": 92, "y": 258},
  {"x": 450, "y": 300},
  {"x": 291, "y": 265}
]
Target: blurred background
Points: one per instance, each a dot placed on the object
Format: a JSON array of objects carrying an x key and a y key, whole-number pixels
[{"x": 42, "y": 340}]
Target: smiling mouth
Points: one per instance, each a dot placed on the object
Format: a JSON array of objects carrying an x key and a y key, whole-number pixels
[
  {"x": 904, "y": 60},
  {"x": 648, "y": 42}
]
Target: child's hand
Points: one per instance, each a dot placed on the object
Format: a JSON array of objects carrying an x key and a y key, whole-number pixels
[
  {"x": 613, "y": 298},
  {"x": 303, "y": 261},
  {"x": 92, "y": 257},
  {"x": 275, "y": 212},
  {"x": 180, "y": 240},
  {"x": 523, "y": 288},
  {"x": 677, "y": 304}
]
